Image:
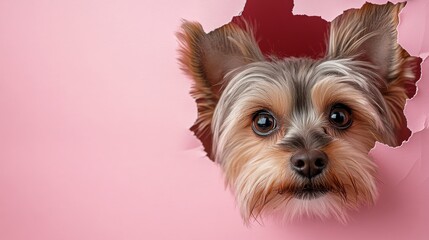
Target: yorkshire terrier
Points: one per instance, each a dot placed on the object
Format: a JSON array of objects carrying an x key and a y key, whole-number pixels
[{"x": 292, "y": 135}]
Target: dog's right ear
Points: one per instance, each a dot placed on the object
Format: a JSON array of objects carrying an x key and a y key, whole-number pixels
[{"x": 207, "y": 58}]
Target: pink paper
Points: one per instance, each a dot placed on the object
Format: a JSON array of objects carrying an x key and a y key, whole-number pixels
[{"x": 94, "y": 139}]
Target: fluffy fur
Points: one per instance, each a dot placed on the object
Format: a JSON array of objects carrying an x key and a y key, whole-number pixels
[{"x": 364, "y": 69}]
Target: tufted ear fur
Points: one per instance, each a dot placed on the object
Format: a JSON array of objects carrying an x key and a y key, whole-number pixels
[
  {"x": 369, "y": 34},
  {"x": 207, "y": 58}
]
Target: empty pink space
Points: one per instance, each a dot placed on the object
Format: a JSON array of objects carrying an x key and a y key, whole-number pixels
[{"x": 94, "y": 139}]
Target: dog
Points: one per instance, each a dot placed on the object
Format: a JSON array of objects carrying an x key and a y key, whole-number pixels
[{"x": 292, "y": 135}]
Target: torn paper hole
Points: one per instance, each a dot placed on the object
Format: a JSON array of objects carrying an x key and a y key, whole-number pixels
[{"x": 292, "y": 96}]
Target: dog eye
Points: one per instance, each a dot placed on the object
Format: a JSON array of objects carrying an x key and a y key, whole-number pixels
[
  {"x": 263, "y": 123},
  {"x": 340, "y": 116}
]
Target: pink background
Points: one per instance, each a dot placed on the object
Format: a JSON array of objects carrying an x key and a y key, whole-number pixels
[{"x": 94, "y": 140}]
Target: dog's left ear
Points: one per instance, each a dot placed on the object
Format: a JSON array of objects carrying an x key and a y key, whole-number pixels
[{"x": 369, "y": 34}]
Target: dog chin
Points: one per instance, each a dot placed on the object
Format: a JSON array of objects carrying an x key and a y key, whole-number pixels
[{"x": 315, "y": 204}]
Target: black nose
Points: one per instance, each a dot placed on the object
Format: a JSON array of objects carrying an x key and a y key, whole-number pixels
[{"x": 309, "y": 163}]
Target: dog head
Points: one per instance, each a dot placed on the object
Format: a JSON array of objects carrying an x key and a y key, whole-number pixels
[{"x": 293, "y": 135}]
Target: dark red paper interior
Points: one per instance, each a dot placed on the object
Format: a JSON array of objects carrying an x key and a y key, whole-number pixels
[{"x": 283, "y": 34}]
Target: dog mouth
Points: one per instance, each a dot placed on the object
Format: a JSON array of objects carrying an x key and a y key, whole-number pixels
[{"x": 308, "y": 191}]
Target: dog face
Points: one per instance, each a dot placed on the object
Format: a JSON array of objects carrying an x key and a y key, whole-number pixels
[{"x": 293, "y": 135}]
